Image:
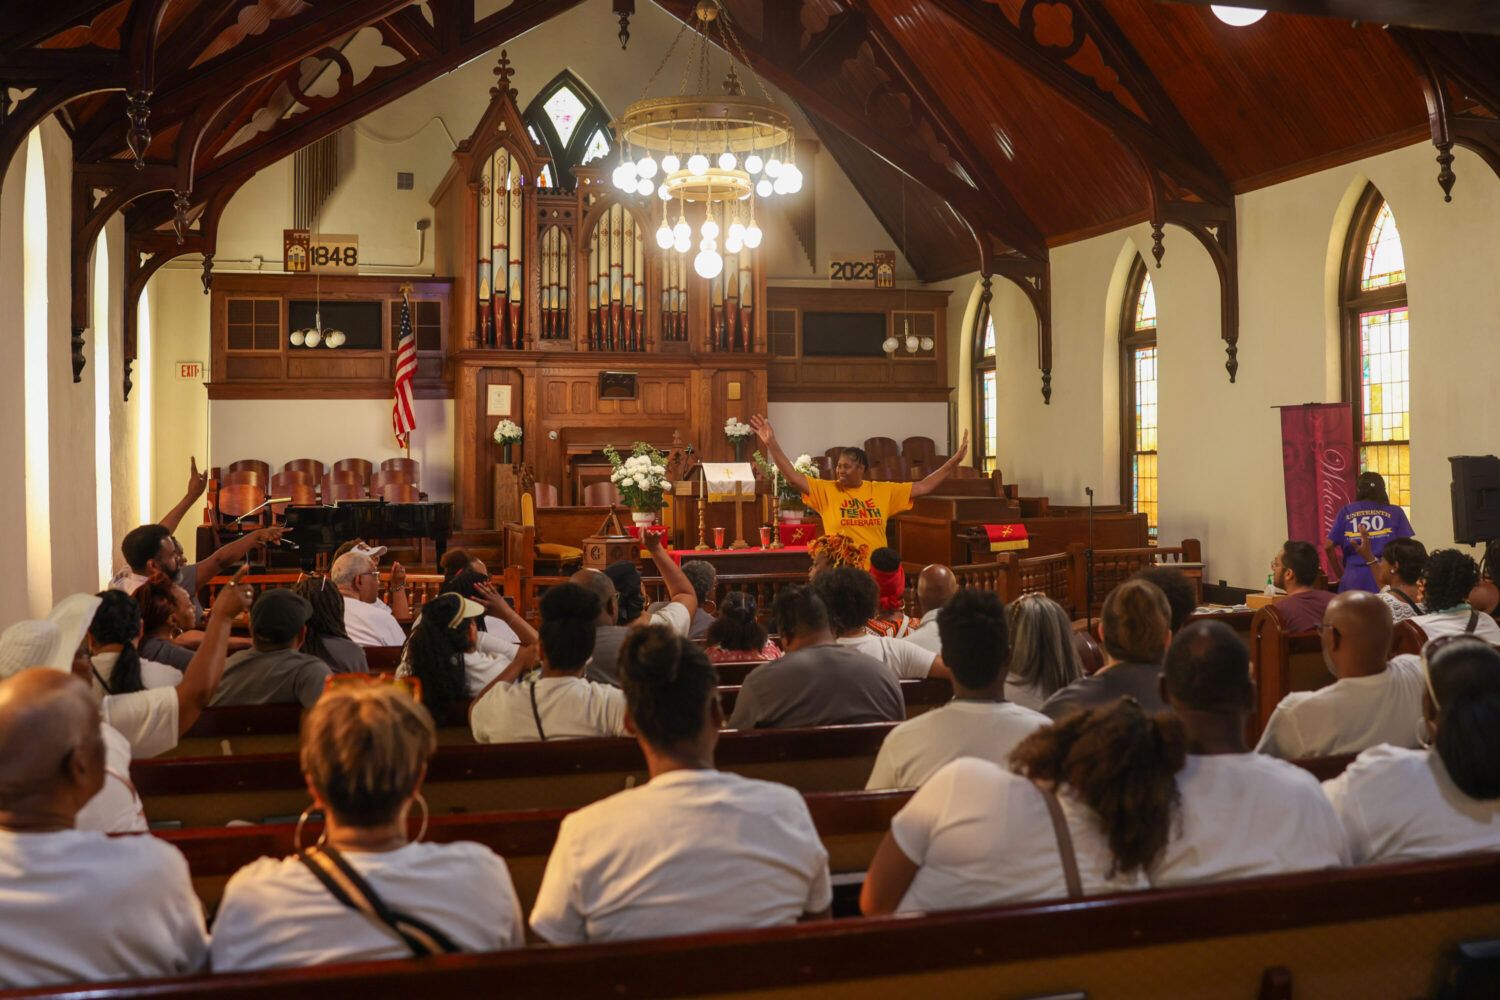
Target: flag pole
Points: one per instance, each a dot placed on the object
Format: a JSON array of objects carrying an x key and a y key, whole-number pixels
[{"x": 406, "y": 290}]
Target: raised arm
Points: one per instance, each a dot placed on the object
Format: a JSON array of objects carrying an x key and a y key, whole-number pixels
[
  {"x": 762, "y": 428},
  {"x": 679, "y": 588},
  {"x": 396, "y": 593},
  {"x": 501, "y": 609},
  {"x": 936, "y": 476},
  {"x": 197, "y": 483},
  {"x": 225, "y": 557},
  {"x": 201, "y": 677}
]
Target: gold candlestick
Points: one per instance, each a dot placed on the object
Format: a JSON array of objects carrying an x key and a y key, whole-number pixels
[
  {"x": 702, "y": 545},
  {"x": 776, "y": 516}
]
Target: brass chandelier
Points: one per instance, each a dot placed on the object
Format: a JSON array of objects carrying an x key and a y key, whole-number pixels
[{"x": 719, "y": 150}]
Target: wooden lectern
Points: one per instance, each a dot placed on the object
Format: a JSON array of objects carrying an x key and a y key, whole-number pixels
[{"x": 609, "y": 544}]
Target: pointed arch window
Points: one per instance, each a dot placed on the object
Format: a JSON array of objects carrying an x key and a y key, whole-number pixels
[
  {"x": 986, "y": 396},
  {"x": 1138, "y": 396},
  {"x": 1377, "y": 344},
  {"x": 571, "y": 124}
]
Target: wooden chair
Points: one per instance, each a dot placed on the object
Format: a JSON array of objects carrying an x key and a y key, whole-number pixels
[
  {"x": 833, "y": 455},
  {"x": 896, "y": 469},
  {"x": 302, "y": 494},
  {"x": 282, "y": 482},
  {"x": 251, "y": 465},
  {"x": 311, "y": 466},
  {"x": 344, "y": 478},
  {"x": 389, "y": 477},
  {"x": 333, "y": 491},
  {"x": 552, "y": 558},
  {"x": 238, "y": 500},
  {"x": 408, "y": 465},
  {"x": 824, "y": 467},
  {"x": 243, "y": 477},
  {"x": 919, "y": 449},
  {"x": 966, "y": 472},
  {"x": 544, "y": 494},
  {"x": 364, "y": 467},
  {"x": 600, "y": 495},
  {"x": 399, "y": 493},
  {"x": 878, "y": 448}
]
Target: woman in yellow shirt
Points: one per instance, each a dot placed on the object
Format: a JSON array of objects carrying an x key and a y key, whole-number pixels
[{"x": 849, "y": 504}]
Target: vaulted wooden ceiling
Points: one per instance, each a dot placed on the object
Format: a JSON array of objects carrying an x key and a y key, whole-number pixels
[{"x": 981, "y": 131}]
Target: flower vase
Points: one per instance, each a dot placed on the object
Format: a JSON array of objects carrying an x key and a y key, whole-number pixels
[
  {"x": 643, "y": 518},
  {"x": 505, "y": 448},
  {"x": 739, "y": 448}
]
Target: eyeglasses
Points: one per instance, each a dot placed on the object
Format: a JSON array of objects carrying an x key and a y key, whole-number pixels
[{"x": 1434, "y": 649}]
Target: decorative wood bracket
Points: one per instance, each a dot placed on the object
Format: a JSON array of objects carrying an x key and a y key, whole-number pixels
[
  {"x": 1214, "y": 227},
  {"x": 1470, "y": 65},
  {"x": 1034, "y": 279}
]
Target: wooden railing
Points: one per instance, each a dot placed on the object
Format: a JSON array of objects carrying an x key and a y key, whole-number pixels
[{"x": 420, "y": 587}]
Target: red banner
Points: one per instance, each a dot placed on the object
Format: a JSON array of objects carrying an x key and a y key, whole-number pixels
[{"x": 1318, "y": 459}]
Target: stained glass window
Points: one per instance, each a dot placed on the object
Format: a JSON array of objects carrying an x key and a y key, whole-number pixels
[
  {"x": 598, "y": 146},
  {"x": 986, "y": 402},
  {"x": 1378, "y": 348},
  {"x": 1138, "y": 395},
  {"x": 564, "y": 108},
  {"x": 571, "y": 125}
]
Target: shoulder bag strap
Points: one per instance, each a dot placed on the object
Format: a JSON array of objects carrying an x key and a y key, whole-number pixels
[
  {"x": 536, "y": 713},
  {"x": 1064, "y": 841},
  {"x": 107, "y": 690},
  {"x": 1410, "y": 601},
  {"x": 1473, "y": 621},
  {"x": 348, "y": 887}
]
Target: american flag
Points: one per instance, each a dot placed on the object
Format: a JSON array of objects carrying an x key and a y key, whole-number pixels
[{"x": 403, "y": 417}]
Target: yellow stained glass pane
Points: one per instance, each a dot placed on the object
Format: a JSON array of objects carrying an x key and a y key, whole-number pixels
[
  {"x": 989, "y": 337},
  {"x": 1145, "y": 305},
  {"x": 1385, "y": 260},
  {"x": 988, "y": 415},
  {"x": 1385, "y": 375},
  {"x": 598, "y": 146},
  {"x": 1143, "y": 476}
]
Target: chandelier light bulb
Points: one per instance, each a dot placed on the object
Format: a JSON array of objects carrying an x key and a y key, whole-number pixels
[
  {"x": 645, "y": 187},
  {"x": 708, "y": 264},
  {"x": 312, "y": 338},
  {"x": 733, "y": 244},
  {"x": 697, "y": 164},
  {"x": 927, "y": 343},
  {"x": 781, "y": 182},
  {"x": 793, "y": 178},
  {"x": 752, "y": 236},
  {"x": 297, "y": 338},
  {"x": 682, "y": 231},
  {"x": 664, "y": 193},
  {"x": 736, "y": 230},
  {"x": 664, "y": 236},
  {"x": 645, "y": 167},
  {"x": 670, "y": 164},
  {"x": 912, "y": 343},
  {"x": 773, "y": 167},
  {"x": 890, "y": 344},
  {"x": 753, "y": 163},
  {"x": 763, "y": 188},
  {"x": 682, "y": 244},
  {"x": 708, "y": 245},
  {"x": 710, "y": 228},
  {"x": 726, "y": 160},
  {"x": 1238, "y": 17}
]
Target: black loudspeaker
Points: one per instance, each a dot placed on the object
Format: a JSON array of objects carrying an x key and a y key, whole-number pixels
[{"x": 1476, "y": 498}]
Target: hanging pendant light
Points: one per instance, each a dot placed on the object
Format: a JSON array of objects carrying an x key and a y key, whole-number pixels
[{"x": 1237, "y": 17}]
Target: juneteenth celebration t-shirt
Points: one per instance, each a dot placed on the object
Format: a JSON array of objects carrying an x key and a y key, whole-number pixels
[{"x": 861, "y": 512}]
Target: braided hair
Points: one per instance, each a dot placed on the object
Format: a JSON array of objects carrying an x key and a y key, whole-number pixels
[
  {"x": 669, "y": 685},
  {"x": 327, "y": 621},
  {"x": 839, "y": 550},
  {"x": 435, "y": 654},
  {"x": 118, "y": 620}
]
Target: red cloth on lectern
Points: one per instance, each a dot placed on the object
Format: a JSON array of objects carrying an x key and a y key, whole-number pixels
[{"x": 1007, "y": 537}]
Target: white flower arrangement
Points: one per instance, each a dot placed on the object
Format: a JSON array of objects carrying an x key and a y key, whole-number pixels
[
  {"x": 507, "y": 432},
  {"x": 736, "y": 430},
  {"x": 641, "y": 478},
  {"x": 790, "y": 498},
  {"x": 804, "y": 464}
]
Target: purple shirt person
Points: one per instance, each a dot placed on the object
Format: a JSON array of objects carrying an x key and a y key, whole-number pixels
[{"x": 1373, "y": 515}]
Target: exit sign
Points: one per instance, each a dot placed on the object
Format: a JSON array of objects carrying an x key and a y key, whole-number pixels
[{"x": 190, "y": 371}]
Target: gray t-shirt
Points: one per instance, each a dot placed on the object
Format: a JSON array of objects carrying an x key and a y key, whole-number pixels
[
  {"x": 188, "y": 581},
  {"x": 255, "y": 677},
  {"x": 1140, "y": 681},
  {"x": 821, "y": 685},
  {"x": 154, "y": 647},
  {"x": 604, "y": 666},
  {"x": 344, "y": 656}
]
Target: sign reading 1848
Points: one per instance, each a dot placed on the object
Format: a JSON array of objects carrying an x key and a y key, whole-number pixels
[{"x": 319, "y": 253}]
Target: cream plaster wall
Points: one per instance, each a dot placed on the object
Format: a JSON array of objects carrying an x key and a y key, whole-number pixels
[{"x": 14, "y": 602}]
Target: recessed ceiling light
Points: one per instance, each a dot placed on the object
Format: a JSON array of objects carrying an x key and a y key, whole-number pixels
[{"x": 1239, "y": 17}]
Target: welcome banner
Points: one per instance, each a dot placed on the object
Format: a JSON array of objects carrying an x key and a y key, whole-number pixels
[{"x": 1320, "y": 466}]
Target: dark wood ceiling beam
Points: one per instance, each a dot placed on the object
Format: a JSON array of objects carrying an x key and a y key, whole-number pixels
[
  {"x": 833, "y": 45},
  {"x": 1476, "y": 16},
  {"x": 1471, "y": 64},
  {"x": 1164, "y": 140},
  {"x": 27, "y": 24}
]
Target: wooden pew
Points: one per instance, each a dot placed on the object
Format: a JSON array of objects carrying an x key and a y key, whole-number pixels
[
  {"x": 1281, "y": 662},
  {"x": 1378, "y": 931},
  {"x": 849, "y": 823},
  {"x": 212, "y": 791}
]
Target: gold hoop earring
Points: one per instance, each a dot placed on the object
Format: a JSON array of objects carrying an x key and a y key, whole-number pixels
[
  {"x": 297, "y": 833},
  {"x": 422, "y": 831}
]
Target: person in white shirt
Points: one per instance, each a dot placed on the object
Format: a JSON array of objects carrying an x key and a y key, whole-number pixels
[
  {"x": 978, "y": 722},
  {"x": 1372, "y": 702},
  {"x": 499, "y": 634},
  {"x": 1398, "y": 804},
  {"x": 365, "y": 750},
  {"x": 693, "y": 850},
  {"x": 622, "y": 605},
  {"x": 1243, "y": 814},
  {"x": 1444, "y": 589},
  {"x": 936, "y": 585},
  {"x": 1089, "y": 797},
  {"x": 118, "y": 667},
  {"x": 560, "y": 704},
  {"x": 438, "y": 652},
  {"x": 368, "y": 620},
  {"x": 116, "y": 808},
  {"x": 1043, "y": 656},
  {"x": 850, "y": 595},
  {"x": 78, "y": 905}
]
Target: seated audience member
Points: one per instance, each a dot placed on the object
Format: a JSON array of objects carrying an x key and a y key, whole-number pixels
[
  {"x": 705, "y": 581},
  {"x": 629, "y": 602},
  {"x": 438, "y": 654},
  {"x": 1486, "y": 594},
  {"x": 116, "y": 808},
  {"x": 455, "y": 561},
  {"x": 819, "y": 682},
  {"x": 694, "y": 849},
  {"x": 890, "y": 588},
  {"x": 1242, "y": 813},
  {"x": 115, "y": 663},
  {"x": 978, "y": 722},
  {"x": 326, "y": 637},
  {"x": 497, "y": 647},
  {"x": 936, "y": 585},
  {"x": 153, "y": 719},
  {"x": 275, "y": 669},
  {"x": 1444, "y": 589},
  {"x": 1043, "y": 658},
  {"x": 560, "y": 704},
  {"x": 1176, "y": 588},
  {"x": 365, "y": 750},
  {"x": 1135, "y": 627},
  {"x": 1295, "y": 570},
  {"x": 1372, "y": 702},
  {"x": 166, "y": 613},
  {"x": 977, "y": 834},
  {"x": 78, "y": 905},
  {"x": 849, "y": 594},
  {"x": 609, "y": 634},
  {"x": 152, "y": 549},
  {"x": 736, "y": 636},
  {"x": 368, "y": 620},
  {"x": 1398, "y": 572},
  {"x": 1398, "y": 804},
  {"x": 833, "y": 551}
]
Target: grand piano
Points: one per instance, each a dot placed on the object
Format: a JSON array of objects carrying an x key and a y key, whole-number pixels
[{"x": 325, "y": 527}]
